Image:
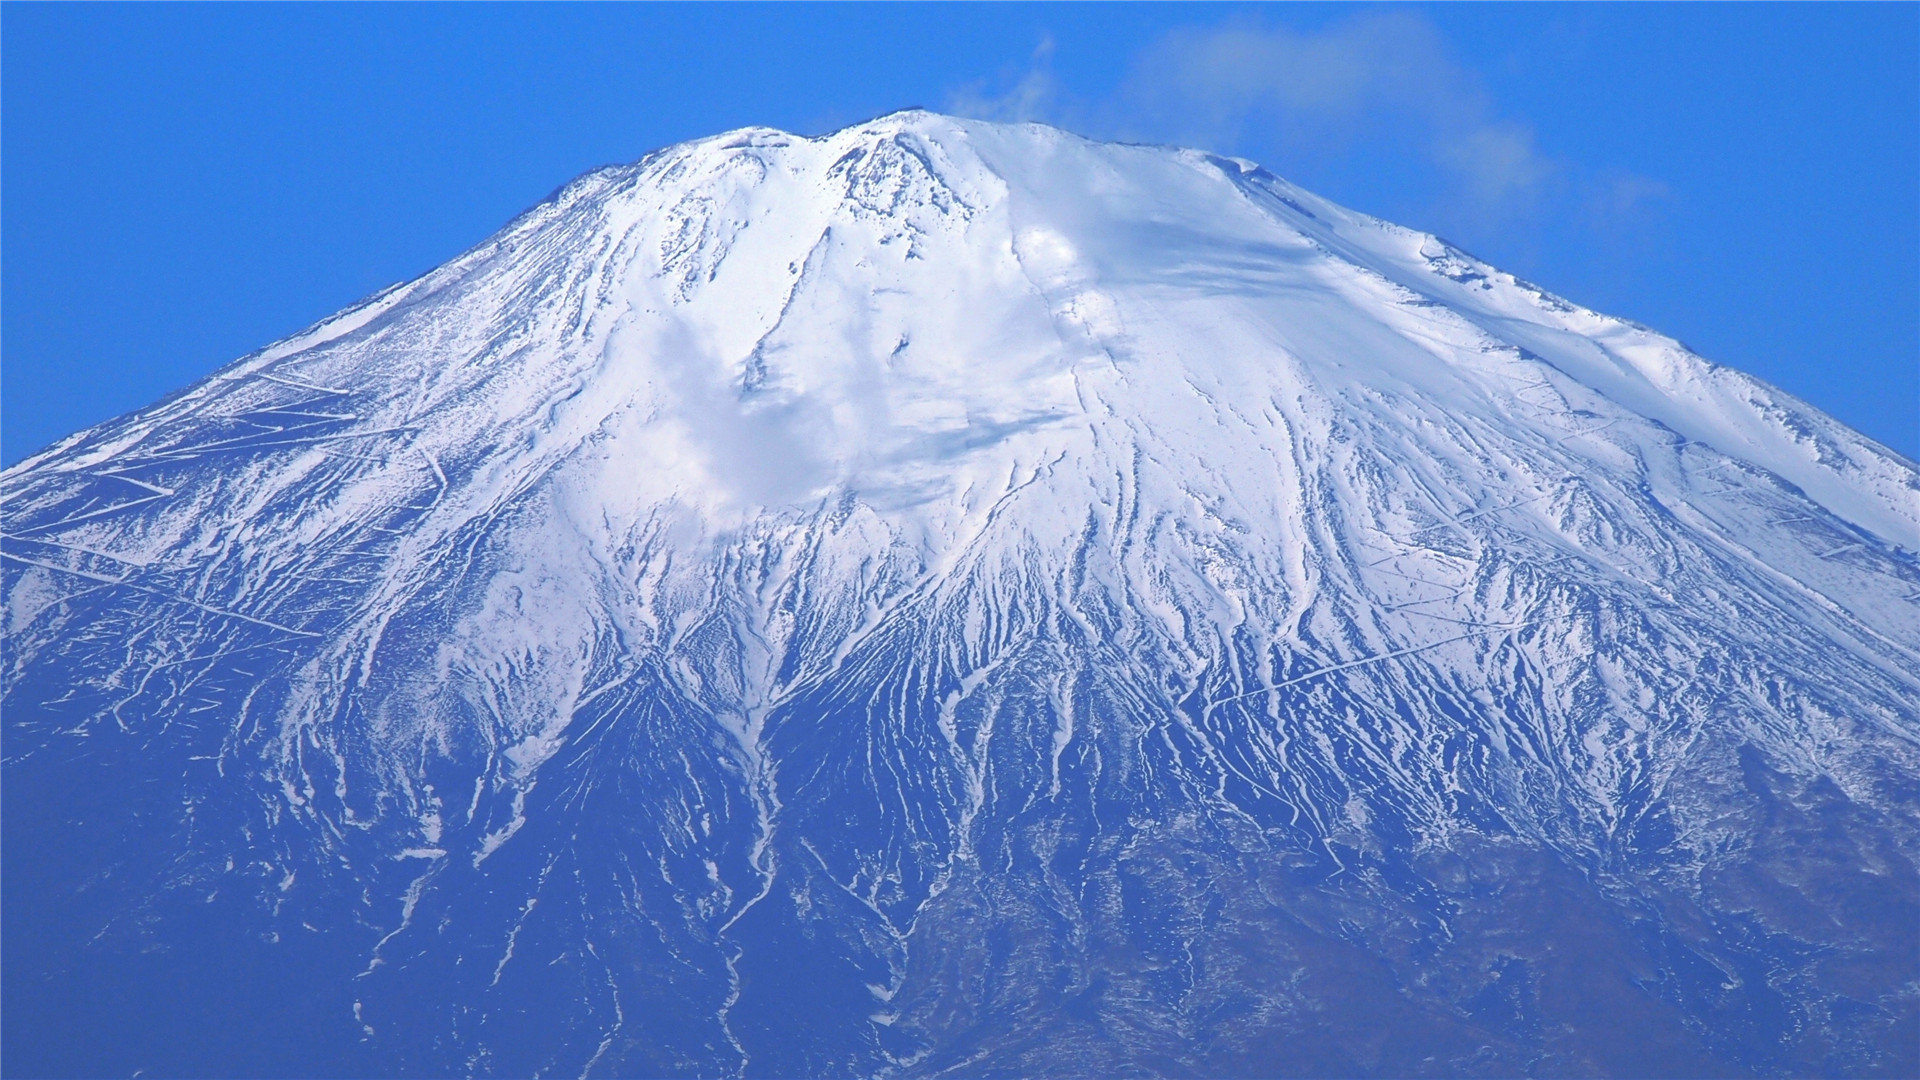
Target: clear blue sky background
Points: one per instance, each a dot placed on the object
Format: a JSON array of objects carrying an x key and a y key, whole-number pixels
[{"x": 182, "y": 184}]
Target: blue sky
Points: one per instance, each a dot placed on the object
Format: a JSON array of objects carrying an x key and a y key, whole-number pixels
[{"x": 182, "y": 184}]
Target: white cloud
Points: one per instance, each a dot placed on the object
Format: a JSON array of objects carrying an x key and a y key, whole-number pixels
[
  {"x": 1373, "y": 76},
  {"x": 1034, "y": 95},
  {"x": 1377, "y": 86},
  {"x": 1625, "y": 197}
]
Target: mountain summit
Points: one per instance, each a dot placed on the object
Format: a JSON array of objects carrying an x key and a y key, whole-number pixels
[{"x": 950, "y": 598}]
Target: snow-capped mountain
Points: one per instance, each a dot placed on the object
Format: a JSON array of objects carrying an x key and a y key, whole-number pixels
[{"x": 950, "y": 598}]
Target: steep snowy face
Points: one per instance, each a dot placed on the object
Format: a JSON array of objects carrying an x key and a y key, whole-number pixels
[{"x": 947, "y": 597}]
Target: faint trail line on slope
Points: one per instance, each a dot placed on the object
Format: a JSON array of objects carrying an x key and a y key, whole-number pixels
[
  {"x": 102, "y": 578},
  {"x": 1464, "y": 518},
  {"x": 297, "y": 384},
  {"x": 121, "y": 559},
  {"x": 439, "y": 474},
  {"x": 255, "y": 442},
  {"x": 1416, "y": 603},
  {"x": 291, "y": 410},
  {"x": 1376, "y": 658},
  {"x": 121, "y": 474},
  {"x": 90, "y": 515},
  {"x": 1590, "y": 430},
  {"x": 1843, "y": 618},
  {"x": 209, "y": 608},
  {"x": 866, "y": 902}
]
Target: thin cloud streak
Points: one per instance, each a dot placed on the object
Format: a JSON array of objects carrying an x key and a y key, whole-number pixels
[
  {"x": 1372, "y": 76},
  {"x": 1371, "y": 84},
  {"x": 1035, "y": 95}
]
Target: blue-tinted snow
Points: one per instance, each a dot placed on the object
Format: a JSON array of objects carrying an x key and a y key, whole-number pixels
[{"x": 955, "y": 599}]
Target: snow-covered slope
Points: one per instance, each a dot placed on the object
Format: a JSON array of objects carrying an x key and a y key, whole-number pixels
[{"x": 956, "y": 598}]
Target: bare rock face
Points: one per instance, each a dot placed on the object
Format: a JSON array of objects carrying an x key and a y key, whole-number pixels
[{"x": 955, "y": 599}]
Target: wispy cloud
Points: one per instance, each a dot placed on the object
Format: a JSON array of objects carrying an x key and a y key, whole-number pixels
[
  {"x": 1623, "y": 198},
  {"x": 1032, "y": 94},
  {"x": 1374, "y": 76},
  {"x": 1375, "y": 87}
]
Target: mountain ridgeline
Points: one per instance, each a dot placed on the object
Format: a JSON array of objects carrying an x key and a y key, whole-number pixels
[{"x": 956, "y": 599}]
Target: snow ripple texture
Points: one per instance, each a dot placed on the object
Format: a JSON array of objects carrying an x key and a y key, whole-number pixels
[{"x": 956, "y": 599}]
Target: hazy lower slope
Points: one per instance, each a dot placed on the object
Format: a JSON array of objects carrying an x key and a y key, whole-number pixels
[{"x": 948, "y": 598}]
